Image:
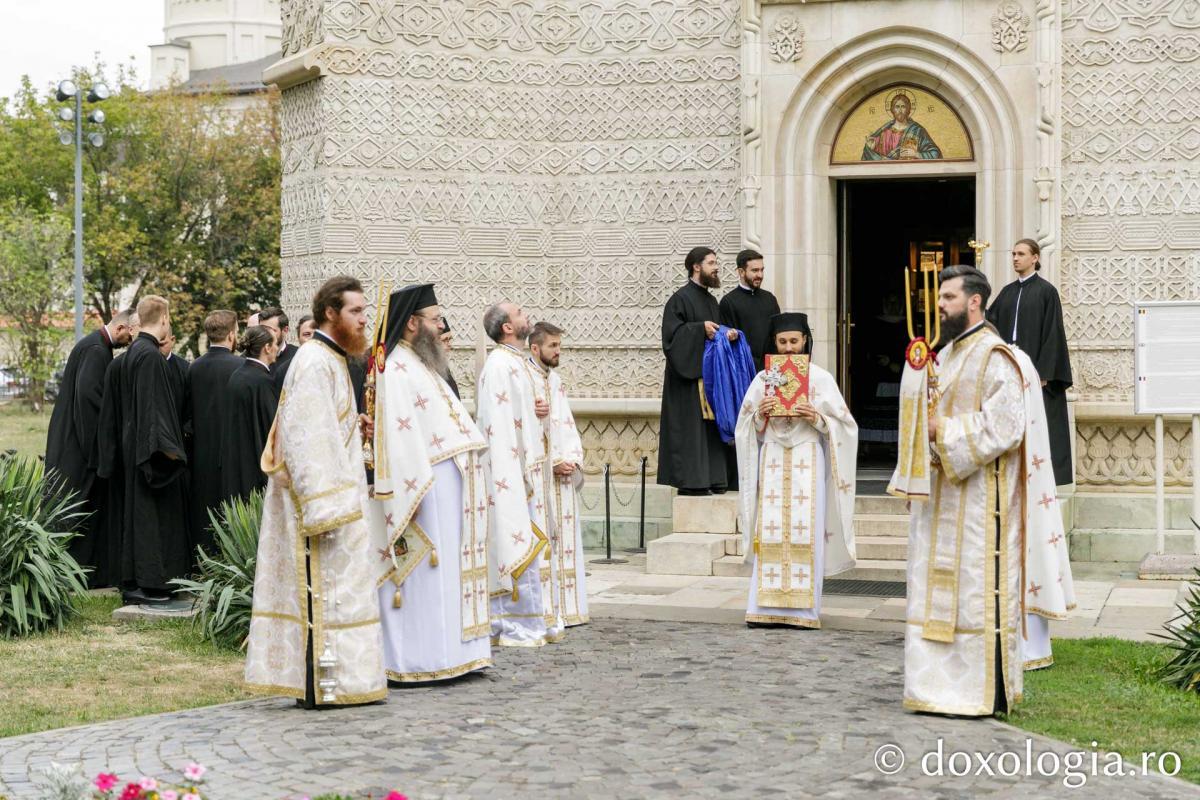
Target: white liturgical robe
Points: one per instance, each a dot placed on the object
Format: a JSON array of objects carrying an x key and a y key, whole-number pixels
[{"x": 313, "y": 576}]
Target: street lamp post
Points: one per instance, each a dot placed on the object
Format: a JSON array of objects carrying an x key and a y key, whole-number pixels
[{"x": 67, "y": 90}]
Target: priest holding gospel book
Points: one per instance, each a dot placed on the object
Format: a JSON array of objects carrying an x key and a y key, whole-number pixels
[{"x": 797, "y": 447}]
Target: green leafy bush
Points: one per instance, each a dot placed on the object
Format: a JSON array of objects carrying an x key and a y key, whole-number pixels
[
  {"x": 225, "y": 585},
  {"x": 1182, "y": 670},
  {"x": 40, "y": 581}
]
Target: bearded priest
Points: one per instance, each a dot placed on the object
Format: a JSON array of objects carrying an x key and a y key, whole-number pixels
[
  {"x": 515, "y": 468},
  {"x": 429, "y": 521},
  {"x": 962, "y": 467},
  {"x": 314, "y": 628},
  {"x": 796, "y": 501}
]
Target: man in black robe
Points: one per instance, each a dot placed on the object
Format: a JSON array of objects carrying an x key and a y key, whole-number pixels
[
  {"x": 252, "y": 399},
  {"x": 154, "y": 539},
  {"x": 71, "y": 439},
  {"x": 207, "y": 410},
  {"x": 749, "y": 307},
  {"x": 691, "y": 455},
  {"x": 1028, "y": 313},
  {"x": 276, "y": 320},
  {"x": 109, "y": 466}
]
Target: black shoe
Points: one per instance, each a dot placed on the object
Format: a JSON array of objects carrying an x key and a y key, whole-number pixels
[
  {"x": 139, "y": 596},
  {"x": 694, "y": 492},
  {"x": 719, "y": 490}
]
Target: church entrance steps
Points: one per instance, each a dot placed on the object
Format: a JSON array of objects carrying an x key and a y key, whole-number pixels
[
  {"x": 731, "y": 567},
  {"x": 881, "y": 525},
  {"x": 881, "y": 548},
  {"x": 879, "y": 504},
  {"x": 876, "y": 569},
  {"x": 684, "y": 554},
  {"x": 710, "y": 514}
]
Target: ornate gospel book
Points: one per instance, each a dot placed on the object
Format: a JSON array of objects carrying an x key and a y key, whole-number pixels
[{"x": 787, "y": 379}]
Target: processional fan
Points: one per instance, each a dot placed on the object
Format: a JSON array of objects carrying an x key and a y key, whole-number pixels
[{"x": 919, "y": 354}]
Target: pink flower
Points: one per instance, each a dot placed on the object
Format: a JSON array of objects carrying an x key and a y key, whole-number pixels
[
  {"x": 169, "y": 794},
  {"x": 395, "y": 796},
  {"x": 148, "y": 783},
  {"x": 190, "y": 796},
  {"x": 194, "y": 771},
  {"x": 105, "y": 781},
  {"x": 132, "y": 792}
]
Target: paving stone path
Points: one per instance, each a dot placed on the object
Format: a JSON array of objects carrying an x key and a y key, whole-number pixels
[{"x": 621, "y": 709}]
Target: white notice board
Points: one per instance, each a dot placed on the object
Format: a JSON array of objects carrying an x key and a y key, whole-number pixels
[{"x": 1166, "y": 357}]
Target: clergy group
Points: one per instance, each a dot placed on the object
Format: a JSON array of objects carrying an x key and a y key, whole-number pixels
[
  {"x": 403, "y": 538},
  {"x": 981, "y": 451}
]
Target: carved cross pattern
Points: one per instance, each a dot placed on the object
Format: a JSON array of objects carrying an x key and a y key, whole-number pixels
[
  {"x": 501, "y": 485},
  {"x": 1034, "y": 588},
  {"x": 405, "y": 423},
  {"x": 501, "y": 399},
  {"x": 421, "y": 402},
  {"x": 436, "y": 442},
  {"x": 1045, "y": 501},
  {"x": 410, "y": 484}
]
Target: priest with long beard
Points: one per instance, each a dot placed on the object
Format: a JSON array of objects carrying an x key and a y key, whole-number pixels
[
  {"x": 515, "y": 469},
  {"x": 429, "y": 521},
  {"x": 314, "y": 631}
]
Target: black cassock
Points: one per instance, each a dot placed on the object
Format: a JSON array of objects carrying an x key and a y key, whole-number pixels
[
  {"x": 252, "y": 399},
  {"x": 691, "y": 454},
  {"x": 155, "y": 545},
  {"x": 1040, "y": 333},
  {"x": 279, "y": 369},
  {"x": 207, "y": 411},
  {"x": 750, "y": 311},
  {"x": 106, "y": 456},
  {"x": 71, "y": 440}
]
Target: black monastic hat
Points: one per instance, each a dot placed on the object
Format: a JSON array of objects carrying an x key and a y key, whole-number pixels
[
  {"x": 402, "y": 304},
  {"x": 789, "y": 321}
]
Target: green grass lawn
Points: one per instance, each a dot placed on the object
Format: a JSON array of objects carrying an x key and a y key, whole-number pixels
[
  {"x": 98, "y": 670},
  {"x": 22, "y": 429},
  {"x": 1104, "y": 691}
]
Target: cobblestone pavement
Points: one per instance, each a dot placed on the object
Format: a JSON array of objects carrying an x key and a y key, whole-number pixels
[{"x": 621, "y": 709}]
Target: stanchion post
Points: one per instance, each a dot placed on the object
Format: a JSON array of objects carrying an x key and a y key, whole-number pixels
[
  {"x": 608, "y": 559},
  {"x": 641, "y": 548}
]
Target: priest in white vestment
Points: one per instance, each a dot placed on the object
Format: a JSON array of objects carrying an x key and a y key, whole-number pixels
[
  {"x": 314, "y": 628},
  {"x": 962, "y": 468},
  {"x": 1049, "y": 586},
  {"x": 796, "y": 490},
  {"x": 516, "y": 475},
  {"x": 567, "y": 564},
  {"x": 429, "y": 518}
]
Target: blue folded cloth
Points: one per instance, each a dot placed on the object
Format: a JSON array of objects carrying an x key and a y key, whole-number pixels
[{"x": 728, "y": 371}]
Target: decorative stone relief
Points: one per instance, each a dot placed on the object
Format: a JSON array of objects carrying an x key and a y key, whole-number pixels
[
  {"x": 301, "y": 25},
  {"x": 786, "y": 41},
  {"x": 621, "y": 443},
  {"x": 562, "y": 155},
  {"x": 1120, "y": 455},
  {"x": 1130, "y": 188},
  {"x": 1010, "y": 28}
]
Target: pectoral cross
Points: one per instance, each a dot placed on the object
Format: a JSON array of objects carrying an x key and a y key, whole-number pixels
[{"x": 978, "y": 247}]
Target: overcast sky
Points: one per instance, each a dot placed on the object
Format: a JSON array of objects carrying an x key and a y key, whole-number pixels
[{"x": 45, "y": 38}]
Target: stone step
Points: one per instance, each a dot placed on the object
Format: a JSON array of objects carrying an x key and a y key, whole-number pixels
[
  {"x": 881, "y": 548},
  {"x": 869, "y": 569},
  {"x": 734, "y": 545},
  {"x": 731, "y": 567},
  {"x": 879, "y": 504},
  {"x": 710, "y": 514},
  {"x": 684, "y": 554},
  {"x": 880, "y": 525}
]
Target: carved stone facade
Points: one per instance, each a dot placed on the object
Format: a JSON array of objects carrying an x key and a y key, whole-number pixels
[{"x": 565, "y": 155}]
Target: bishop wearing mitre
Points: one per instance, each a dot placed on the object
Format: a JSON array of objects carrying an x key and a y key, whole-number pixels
[{"x": 429, "y": 519}]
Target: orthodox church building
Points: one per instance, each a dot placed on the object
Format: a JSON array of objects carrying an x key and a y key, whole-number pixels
[{"x": 565, "y": 155}]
